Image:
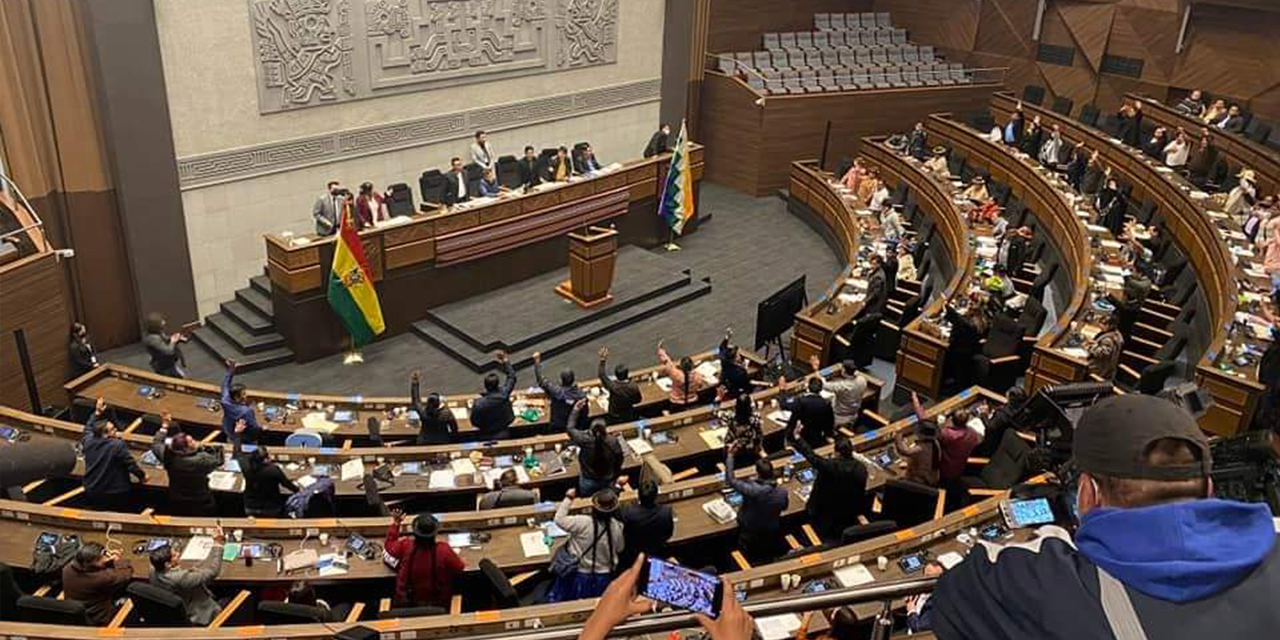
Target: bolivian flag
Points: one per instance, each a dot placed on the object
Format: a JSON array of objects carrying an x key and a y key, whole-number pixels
[
  {"x": 676, "y": 204},
  {"x": 351, "y": 292}
]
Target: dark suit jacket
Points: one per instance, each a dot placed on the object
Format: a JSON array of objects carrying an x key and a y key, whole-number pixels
[
  {"x": 965, "y": 337},
  {"x": 1130, "y": 129},
  {"x": 917, "y": 144},
  {"x": 624, "y": 395},
  {"x": 1016, "y": 254},
  {"x": 528, "y": 172},
  {"x": 890, "y": 268},
  {"x": 657, "y": 144},
  {"x": 492, "y": 412},
  {"x": 1031, "y": 141},
  {"x": 1234, "y": 124},
  {"x": 839, "y": 492},
  {"x": 451, "y": 188},
  {"x": 815, "y": 413},
  {"x": 645, "y": 529}
]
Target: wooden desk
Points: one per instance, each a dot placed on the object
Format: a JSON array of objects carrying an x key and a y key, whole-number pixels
[
  {"x": 1195, "y": 228},
  {"x": 1061, "y": 227},
  {"x": 1237, "y": 150},
  {"x": 21, "y": 523},
  {"x": 921, "y": 357},
  {"x": 120, "y": 386},
  {"x": 440, "y": 256}
]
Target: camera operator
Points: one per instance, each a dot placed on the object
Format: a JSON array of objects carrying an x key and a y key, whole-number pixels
[{"x": 1156, "y": 556}]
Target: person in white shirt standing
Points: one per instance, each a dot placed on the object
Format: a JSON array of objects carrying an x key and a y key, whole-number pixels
[
  {"x": 481, "y": 153},
  {"x": 1176, "y": 152}
]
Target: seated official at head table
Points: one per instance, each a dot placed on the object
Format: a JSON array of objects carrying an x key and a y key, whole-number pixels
[
  {"x": 488, "y": 187},
  {"x": 559, "y": 167},
  {"x": 456, "y": 188},
  {"x": 530, "y": 173}
]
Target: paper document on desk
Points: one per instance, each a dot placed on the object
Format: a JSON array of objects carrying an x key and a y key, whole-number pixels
[
  {"x": 1111, "y": 268},
  {"x": 778, "y": 627},
  {"x": 1076, "y": 352},
  {"x": 639, "y": 447},
  {"x": 1096, "y": 229},
  {"x": 441, "y": 479},
  {"x": 460, "y": 413},
  {"x": 663, "y": 383},
  {"x": 316, "y": 421},
  {"x": 331, "y": 564},
  {"x": 222, "y": 481},
  {"x": 1112, "y": 278},
  {"x": 850, "y": 298},
  {"x": 714, "y": 437},
  {"x": 197, "y": 549},
  {"x": 950, "y": 559},
  {"x": 1111, "y": 244},
  {"x": 710, "y": 372},
  {"x": 534, "y": 544},
  {"x": 857, "y": 283},
  {"x": 305, "y": 481},
  {"x": 977, "y": 425},
  {"x": 352, "y": 469},
  {"x": 720, "y": 511},
  {"x": 462, "y": 467},
  {"x": 854, "y": 575},
  {"x": 392, "y": 222},
  {"x": 780, "y": 416}
]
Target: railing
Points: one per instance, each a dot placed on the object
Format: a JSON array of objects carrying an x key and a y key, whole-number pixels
[
  {"x": 8, "y": 187},
  {"x": 791, "y": 604}
]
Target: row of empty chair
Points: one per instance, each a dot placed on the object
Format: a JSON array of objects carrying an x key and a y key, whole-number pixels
[
  {"x": 852, "y": 21},
  {"x": 811, "y": 40},
  {"x": 831, "y": 58},
  {"x": 843, "y": 79}
]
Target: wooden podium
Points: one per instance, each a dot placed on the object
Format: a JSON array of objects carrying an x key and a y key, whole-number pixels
[{"x": 592, "y": 256}]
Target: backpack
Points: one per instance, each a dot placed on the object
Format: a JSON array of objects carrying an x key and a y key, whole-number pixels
[
  {"x": 47, "y": 560},
  {"x": 300, "y": 504}
]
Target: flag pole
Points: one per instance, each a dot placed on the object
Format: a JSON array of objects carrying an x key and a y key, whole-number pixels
[{"x": 353, "y": 354}]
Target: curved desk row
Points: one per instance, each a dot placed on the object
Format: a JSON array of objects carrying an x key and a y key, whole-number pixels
[
  {"x": 681, "y": 443},
  {"x": 22, "y": 523},
  {"x": 1061, "y": 227},
  {"x": 1195, "y": 228},
  {"x": 1238, "y": 150},
  {"x": 921, "y": 356},
  {"x": 280, "y": 414},
  {"x": 445, "y": 255}
]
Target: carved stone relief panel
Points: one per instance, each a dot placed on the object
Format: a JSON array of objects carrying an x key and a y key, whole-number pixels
[{"x": 316, "y": 52}]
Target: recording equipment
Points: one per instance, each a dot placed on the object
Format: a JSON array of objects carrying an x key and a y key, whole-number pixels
[
  {"x": 1189, "y": 396},
  {"x": 681, "y": 587},
  {"x": 1052, "y": 414},
  {"x": 1246, "y": 470}
]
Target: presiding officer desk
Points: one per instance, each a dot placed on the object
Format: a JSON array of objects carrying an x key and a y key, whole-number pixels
[
  {"x": 21, "y": 523},
  {"x": 444, "y": 254},
  {"x": 1222, "y": 272}
]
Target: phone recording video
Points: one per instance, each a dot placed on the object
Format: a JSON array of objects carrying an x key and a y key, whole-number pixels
[{"x": 680, "y": 587}]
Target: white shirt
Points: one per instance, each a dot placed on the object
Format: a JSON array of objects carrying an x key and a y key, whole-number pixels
[
  {"x": 1175, "y": 153},
  {"x": 462, "y": 185},
  {"x": 878, "y": 199},
  {"x": 891, "y": 225}
]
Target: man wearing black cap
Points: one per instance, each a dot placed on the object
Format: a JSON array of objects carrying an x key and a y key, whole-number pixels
[
  {"x": 425, "y": 569},
  {"x": 1156, "y": 556}
]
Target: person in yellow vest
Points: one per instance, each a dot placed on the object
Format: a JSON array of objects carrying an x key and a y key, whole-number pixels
[{"x": 559, "y": 168}]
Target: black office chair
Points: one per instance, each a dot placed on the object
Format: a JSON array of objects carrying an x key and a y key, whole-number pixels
[
  {"x": 504, "y": 594},
  {"x": 156, "y": 607},
  {"x": 52, "y": 611},
  {"x": 1063, "y": 106},
  {"x": 1258, "y": 131},
  {"x": 272, "y": 612},
  {"x": 1005, "y": 468},
  {"x": 899, "y": 195},
  {"x": 9, "y": 594},
  {"x": 431, "y": 187},
  {"x": 908, "y": 503},
  {"x": 955, "y": 163},
  {"x": 860, "y": 532},
  {"x": 1033, "y": 94},
  {"x": 1041, "y": 283},
  {"x": 862, "y": 339},
  {"x": 401, "y": 201},
  {"x": 473, "y": 171},
  {"x": 1089, "y": 115},
  {"x": 508, "y": 169}
]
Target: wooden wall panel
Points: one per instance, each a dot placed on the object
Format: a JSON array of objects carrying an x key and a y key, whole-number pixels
[
  {"x": 924, "y": 23},
  {"x": 1229, "y": 48},
  {"x": 736, "y": 25},
  {"x": 34, "y": 298}
]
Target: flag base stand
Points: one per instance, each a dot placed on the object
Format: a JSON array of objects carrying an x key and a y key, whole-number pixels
[
  {"x": 671, "y": 247},
  {"x": 353, "y": 357}
]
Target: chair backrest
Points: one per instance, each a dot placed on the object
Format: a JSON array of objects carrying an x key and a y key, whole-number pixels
[
  {"x": 761, "y": 60},
  {"x": 822, "y": 20},
  {"x": 504, "y": 595},
  {"x": 883, "y": 20},
  {"x": 926, "y": 53},
  {"x": 820, "y": 39},
  {"x": 1089, "y": 115},
  {"x": 52, "y": 611},
  {"x": 508, "y": 172},
  {"x": 908, "y": 503},
  {"x": 156, "y": 606},
  {"x": 1151, "y": 380},
  {"x": 726, "y": 64},
  {"x": 780, "y": 60},
  {"x": 9, "y": 594},
  {"x": 304, "y": 439},
  {"x": 771, "y": 41},
  {"x": 1008, "y": 463},
  {"x": 275, "y": 612},
  {"x": 836, "y": 21},
  {"x": 787, "y": 40},
  {"x": 1033, "y": 94},
  {"x": 1033, "y": 315},
  {"x": 401, "y": 201},
  {"x": 804, "y": 40}
]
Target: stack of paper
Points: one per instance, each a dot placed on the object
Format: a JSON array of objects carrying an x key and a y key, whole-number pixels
[
  {"x": 778, "y": 627},
  {"x": 441, "y": 479},
  {"x": 1076, "y": 352},
  {"x": 714, "y": 437},
  {"x": 222, "y": 481},
  {"x": 305, "y": 481},
  {"x": 639, "y": 446},
  {"x": 316, "y": 421},
  {"x": 352, "y": 469},
  {"x": 710, "y": 372},
  {"x": 462, "y": 467},
  {"x": 663, "y": 383},
  {"x": 720, "y": 511},
  {"x": 534, "y": 544},
  {"x": 950, "y": 559},
  {"x": 853, "y": 575},
  {"x": 331, "y": 564},
  {"x": 780, "y": 416},
  {"x": 197, "y": 549}
]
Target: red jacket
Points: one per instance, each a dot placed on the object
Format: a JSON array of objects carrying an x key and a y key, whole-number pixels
[
  {"x": 366, "y": 217},
  {"x": 957, "y": 444},
  {"x": 434, "y": 569}
]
